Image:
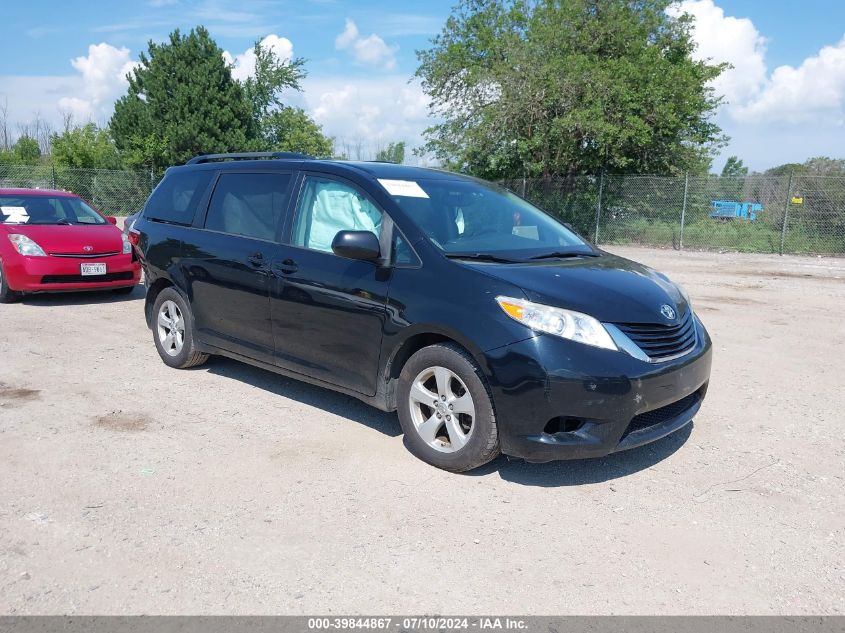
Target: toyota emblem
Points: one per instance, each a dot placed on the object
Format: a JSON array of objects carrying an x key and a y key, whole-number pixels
[
  {"x": 87, "y": 249},
  {"x": 667, "y": 311}
]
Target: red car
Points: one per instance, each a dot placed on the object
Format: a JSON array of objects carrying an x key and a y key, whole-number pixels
[{"x": 53, "y": 241}]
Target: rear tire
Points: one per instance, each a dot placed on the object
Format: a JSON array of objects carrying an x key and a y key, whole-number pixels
[
  {"x": 7, "y": 295},
  {"x": 446, "y": 410},
  {"x": 173, "y": 331}
]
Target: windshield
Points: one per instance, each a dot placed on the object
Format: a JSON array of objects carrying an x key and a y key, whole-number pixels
[
  {"x": 474, "y": 218},
  {"x": 47, "y": 210}
]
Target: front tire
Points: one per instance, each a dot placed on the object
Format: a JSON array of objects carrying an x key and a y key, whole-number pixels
[
  {"x": 173, "y": 331},
  {"x": 7, "y": 295},
  {"x": 446, "y": 410}
]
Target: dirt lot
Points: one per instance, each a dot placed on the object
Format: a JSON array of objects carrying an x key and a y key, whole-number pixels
[{"x": 129, "y": 487}]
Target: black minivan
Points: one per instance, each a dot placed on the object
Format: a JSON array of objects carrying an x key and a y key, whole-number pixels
[{"x": 487, "y": 324}]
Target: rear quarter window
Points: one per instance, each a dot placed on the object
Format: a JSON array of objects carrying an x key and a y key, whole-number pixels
[{"x": 175, "y": 200}]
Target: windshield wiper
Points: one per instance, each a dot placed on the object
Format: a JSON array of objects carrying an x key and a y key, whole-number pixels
[
  {"x": 484, "y": 257},
  {"x": 564, "y": 255},
  {"x": 63, "y": 221}
]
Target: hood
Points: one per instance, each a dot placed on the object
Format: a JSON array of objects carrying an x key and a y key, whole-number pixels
[
  {"x": 610, "y": 288},
  {"x": 71, "y": 238}
]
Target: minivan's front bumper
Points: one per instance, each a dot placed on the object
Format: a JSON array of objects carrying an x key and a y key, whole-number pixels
[{"x": 557, "y": 399}]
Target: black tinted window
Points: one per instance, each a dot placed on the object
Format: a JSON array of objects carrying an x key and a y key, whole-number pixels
[
  {"x": 248, "y": 204},
  {"x": 176, "y": 198}
]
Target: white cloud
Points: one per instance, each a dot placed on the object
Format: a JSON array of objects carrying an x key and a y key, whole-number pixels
[
  {"x": 28, "y": 96},
  {"x": 103, "y": 79},
  {"x": 370, "y": 50},
  {"x": 814, "y": 91},
  {"x": 243, "y": 65},
  {"x": 722, "y": 38},
  {"x": 786, "y": 115},
  {"x": 373, "y": 111},
  {"x": 40, "y": 31},
  {"x": 348, "y": 36}
]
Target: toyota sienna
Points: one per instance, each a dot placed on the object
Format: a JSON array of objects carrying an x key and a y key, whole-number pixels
[{"x": 487, "y": 324}]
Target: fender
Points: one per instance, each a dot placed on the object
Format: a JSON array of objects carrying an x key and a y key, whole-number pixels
[{"x": 434, "y": 330}]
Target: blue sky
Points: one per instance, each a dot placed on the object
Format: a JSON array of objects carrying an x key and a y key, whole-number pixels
[{"x": 785, "y": 96}]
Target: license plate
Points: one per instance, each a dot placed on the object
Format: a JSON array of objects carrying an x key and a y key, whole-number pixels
[{"x": 92, "y": 269}]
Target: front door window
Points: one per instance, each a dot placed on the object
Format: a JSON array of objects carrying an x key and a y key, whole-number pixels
[{"x": 326, "y": 207}]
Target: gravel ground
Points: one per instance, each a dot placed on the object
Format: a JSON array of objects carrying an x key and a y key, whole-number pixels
[{"x": 129, "y": 487}]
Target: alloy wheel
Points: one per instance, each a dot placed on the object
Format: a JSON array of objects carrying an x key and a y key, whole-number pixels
[
  {"x": 442, "y": 409},
  {"x": 171, "y": 328}
]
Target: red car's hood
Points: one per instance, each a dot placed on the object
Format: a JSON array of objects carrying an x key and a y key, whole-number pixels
[{"x": 71, "y": 238}]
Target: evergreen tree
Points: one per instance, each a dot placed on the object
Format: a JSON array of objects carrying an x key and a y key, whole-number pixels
[{"x": 182, "y": 101}]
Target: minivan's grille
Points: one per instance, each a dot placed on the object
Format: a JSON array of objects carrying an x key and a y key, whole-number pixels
[
  {"x": 663, "y": 414},
  {"x": 662, "y": 341}
]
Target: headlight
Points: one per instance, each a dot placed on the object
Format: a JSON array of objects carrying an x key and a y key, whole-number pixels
[
  {"x": 127, "y": 245},
  {"x": 26, "y": 246},
  {"x": 568, "y": 324}
]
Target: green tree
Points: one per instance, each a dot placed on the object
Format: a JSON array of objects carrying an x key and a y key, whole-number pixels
[
  {"x": 816, "y": 166},
  {"x": 824, "y": 166},
  {"x": 291, "y": 130},
  {"x": 86, "y": 146},
  {"x": 733, "y": 179},
  {"x": 273, "y": 75},
  {"x": 26, "y": 151},
  {"x": 785, "y": 169},
  {"x": 393, "y": 153},
  {"x": 280, "y": 127},
  {"x": 545, "y": 88},
  {"x": 734, "y": 168},
  {"x": 181, "y": 101}
]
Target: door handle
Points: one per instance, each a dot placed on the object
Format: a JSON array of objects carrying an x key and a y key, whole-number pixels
[
  {"x": 256, "y": 259},
  {"x": 287, "y": 267}
]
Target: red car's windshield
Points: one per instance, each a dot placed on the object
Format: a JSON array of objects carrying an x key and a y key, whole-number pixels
[{"x": 46, "y": 210}]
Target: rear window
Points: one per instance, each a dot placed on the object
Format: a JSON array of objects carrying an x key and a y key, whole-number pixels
[{"x": 175, "y": 199}]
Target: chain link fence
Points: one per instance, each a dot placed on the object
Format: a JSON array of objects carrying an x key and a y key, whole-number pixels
[
  {"x": 762, "y": 214},
  {"x": 113, "y": 192}
]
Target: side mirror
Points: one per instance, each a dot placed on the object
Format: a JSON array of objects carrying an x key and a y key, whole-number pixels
[
  {"x": 356, "y": 245},
  {"x": 111, "y": 219}
]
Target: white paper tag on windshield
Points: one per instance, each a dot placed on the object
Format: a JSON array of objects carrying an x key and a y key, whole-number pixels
[
  {"x": 17, "y": 215},
  {"x": 530, "y": 232},
  {"x": 407, "y": 188}
]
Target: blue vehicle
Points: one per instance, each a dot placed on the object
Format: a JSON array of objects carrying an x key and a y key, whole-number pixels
[{"x": 730, "y": 210}]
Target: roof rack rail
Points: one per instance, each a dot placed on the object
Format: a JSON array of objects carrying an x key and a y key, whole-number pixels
[{"x": 207, "y": 158}]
